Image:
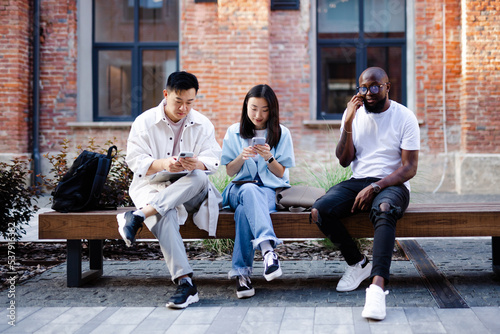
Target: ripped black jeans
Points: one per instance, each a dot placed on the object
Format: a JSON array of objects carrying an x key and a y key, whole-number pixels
[{"x": 337, "y": 203}]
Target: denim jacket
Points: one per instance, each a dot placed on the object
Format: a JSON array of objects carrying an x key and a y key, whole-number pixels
[{"x": 233, "y": 145}]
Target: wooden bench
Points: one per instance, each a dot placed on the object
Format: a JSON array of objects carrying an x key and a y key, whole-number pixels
[{"x": 420, "y": 220}]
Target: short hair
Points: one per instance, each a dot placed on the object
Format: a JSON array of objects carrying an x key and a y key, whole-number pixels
[
  {"x": 247, "y": 128},
  {"x": 181, "y": 80}
]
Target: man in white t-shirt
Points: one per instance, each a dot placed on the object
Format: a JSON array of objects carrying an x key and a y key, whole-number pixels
[
  {"x": 380, "y": 139},
  {"x": 156, "y": 139}
]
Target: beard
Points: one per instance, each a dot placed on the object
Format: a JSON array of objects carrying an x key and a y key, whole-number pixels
[{"x": 377, "y": 108}]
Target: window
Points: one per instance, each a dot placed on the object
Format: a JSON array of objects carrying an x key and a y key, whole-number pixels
[
  {"x": 351, "y": 36},
  {"x": 285, "y": 4},
  {"x": 135, "y": 47}
]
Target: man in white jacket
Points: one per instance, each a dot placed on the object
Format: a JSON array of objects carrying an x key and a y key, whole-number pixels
[{"x": 156, "y": 139}]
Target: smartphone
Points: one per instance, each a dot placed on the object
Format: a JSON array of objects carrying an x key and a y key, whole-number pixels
[
  {"x": 186, "y": 155},
  {"x": 244, "y": 181},
  {"x": 258, "y": 141}
]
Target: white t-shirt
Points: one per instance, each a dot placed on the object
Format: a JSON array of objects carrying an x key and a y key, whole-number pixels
[{"x": 379, "y": 139}]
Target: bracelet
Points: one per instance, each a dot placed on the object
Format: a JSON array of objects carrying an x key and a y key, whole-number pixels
[{"x": 346, "y": 131}]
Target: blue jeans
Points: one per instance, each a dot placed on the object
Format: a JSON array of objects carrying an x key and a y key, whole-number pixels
[
  {"x": 252, "y": 205},
  {"x": 337, "y": 203}
]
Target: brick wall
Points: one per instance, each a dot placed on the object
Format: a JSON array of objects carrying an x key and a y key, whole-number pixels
[
  {"x": 429, "y": 64},
  {"x": 58, "y": 49},
  {"x": 229, "y": 57},
  {"x": 15, "y": 86},
  {"x": 481, "y": 74},
  {"x": 243, "y": 44}
]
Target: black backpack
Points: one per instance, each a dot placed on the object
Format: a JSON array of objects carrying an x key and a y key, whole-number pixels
[{"x": 81, "y": 187}]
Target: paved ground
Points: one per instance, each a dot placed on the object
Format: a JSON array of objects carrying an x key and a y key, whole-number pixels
[{"x": 130, "y": 297}]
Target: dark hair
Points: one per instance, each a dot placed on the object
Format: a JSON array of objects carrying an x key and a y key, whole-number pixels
[
  {"x": 247, "y": 128},
  {"x": 179, "y": 81}
]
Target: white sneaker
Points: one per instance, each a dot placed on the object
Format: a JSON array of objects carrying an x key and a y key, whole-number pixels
[
  {"x": 353, "y": 276},
  {"x": 272, "y": 267},
  {"x": 374, "y": 303}
]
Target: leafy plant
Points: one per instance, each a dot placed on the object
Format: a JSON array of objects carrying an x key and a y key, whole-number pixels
[
  {"x": 324, "y": 175},
  {"x": 220, "y": 180},
  {"x": 219, "y": 246},
  {"x": 115, "y": 191},
  {"x": 16, "y": 199}
]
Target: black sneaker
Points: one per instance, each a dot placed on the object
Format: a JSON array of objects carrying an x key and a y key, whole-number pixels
[
  {"x": 271, "y": 266},
  {"x": 128, "y": 225},
  {"x": 184, "y": 295},
  {"x": 244, "y": 287}
]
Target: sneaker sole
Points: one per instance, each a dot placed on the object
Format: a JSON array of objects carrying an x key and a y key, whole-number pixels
[
  {"x": 367, "y": 315},
  {"x": 273, "y": 275},
  {"x": 245, "y": 294},
  {"x": 352, "y": 288},
  {"x": 121, "y": 224},
  {"x": 189, "y": 300}
]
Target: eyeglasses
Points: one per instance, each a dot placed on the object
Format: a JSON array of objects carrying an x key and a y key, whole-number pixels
[{"x": 373, "y": 89}]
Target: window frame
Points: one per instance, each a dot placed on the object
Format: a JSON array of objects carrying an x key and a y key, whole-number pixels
[
  {"x": 285, "y": 4},
  {"x": 136, "y": 47},
  {"x": 361, "y": 43}
]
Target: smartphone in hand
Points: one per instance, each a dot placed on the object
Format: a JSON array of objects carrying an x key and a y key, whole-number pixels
[
  {"x": 258, "y": 141},
  {"x": 186, "y": 155}
]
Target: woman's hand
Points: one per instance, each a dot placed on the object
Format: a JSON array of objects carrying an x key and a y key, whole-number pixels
[
  {"x": 248, "y": 152},
  {"x": 263, "y": 150}
]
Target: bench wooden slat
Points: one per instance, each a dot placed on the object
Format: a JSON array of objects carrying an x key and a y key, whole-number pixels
[{"x": 420, "y": 220}]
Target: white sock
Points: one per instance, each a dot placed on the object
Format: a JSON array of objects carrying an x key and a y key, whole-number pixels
[
  {"x": 265, "y": 246},
  {"x": 187, "y": 279},
  {"x": 374, "y": 286},
  {"x": 362, "y": 261},
  {"x": 139, "y": 213}
]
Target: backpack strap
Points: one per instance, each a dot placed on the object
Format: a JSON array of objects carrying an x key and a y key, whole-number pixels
[
  {"x": 110, "y": 151},
  {"x": 102, "y": 171}
]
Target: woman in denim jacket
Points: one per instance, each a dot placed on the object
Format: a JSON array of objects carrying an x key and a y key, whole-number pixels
[{"x": 259, "y": 170}]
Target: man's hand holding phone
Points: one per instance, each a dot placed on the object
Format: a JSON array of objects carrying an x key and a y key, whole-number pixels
[
  {"x": 187, "y": 160},
  {"x": 170, "y": 164},
  {"x": 353, "y": 105}
]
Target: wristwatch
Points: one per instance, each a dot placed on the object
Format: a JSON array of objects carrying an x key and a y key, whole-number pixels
[
  {"x": 271, "y": 159},
  {"x": 376, "y": 188}
]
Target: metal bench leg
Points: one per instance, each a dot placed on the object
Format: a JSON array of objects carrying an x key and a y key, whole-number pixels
[
  {"x": 75, "y": 277},
  {"x": 96, "y": 254},
  {"x": 495, "y": 249},
  {"x": 73, "y": 263}
]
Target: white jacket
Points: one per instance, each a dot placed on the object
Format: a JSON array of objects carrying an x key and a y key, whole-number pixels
[{"x": 151, "y": 138}]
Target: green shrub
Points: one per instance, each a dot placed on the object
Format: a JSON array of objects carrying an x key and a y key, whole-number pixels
[
  {"x": 323, "y": 175},
  {"x": 16, "y": 199},
  {"x": 220, "y": 180}
]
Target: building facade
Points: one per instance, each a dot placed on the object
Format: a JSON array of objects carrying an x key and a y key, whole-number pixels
[{"x": 98, "y": 64}]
